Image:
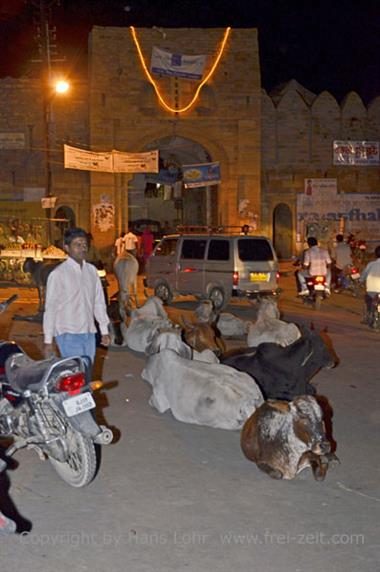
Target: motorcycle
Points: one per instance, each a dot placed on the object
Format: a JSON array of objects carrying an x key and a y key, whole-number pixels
[
  {"x": 47, "y": 406},
  {"x": 358, "y": 247},
  {"x": 348, "y": 279},
  {"x": 372, "y": 311},
  {"x": 317, "y": 291}
]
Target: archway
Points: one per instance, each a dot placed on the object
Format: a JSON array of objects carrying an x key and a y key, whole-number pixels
[
  {"x": 162, "y": 196},
  {"x": 283, "y": 231}
]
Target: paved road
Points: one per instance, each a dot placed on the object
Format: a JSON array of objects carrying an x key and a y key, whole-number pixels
[{"x": 176, "y": 497}]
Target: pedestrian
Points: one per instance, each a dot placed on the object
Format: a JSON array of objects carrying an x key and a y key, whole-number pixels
[
  {"x": 74, "y": 299},
  {"x": 120, "y": 245},
  {"x": 147, "y": 242},
  {"x": 245, "y": 229},
  {"x": 130, "y": 242}
]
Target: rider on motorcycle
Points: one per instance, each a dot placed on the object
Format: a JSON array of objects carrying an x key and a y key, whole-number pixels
[
  {"x": 371, "y": 277},
  {"x": 316, "y": 262},
  {"x": 342, "y": 256}
]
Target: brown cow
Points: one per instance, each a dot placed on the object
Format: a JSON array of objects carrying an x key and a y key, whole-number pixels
[
  {"x": 284, "y": 438},
  {"x": 202, "y": 336}
]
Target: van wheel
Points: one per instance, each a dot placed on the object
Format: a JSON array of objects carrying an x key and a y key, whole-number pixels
[
  {"x": 163, "y": 291},
  {"x": 218, "y": 298}
]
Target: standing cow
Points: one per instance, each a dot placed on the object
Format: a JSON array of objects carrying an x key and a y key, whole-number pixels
[{"x": 126, "y": 268}]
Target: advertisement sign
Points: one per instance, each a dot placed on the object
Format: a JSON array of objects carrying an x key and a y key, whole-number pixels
[
  {"x": 313, "y": 186},
  {"x": 351, "y": 212},
  {"x": 87, "y": 160},
  {"x": 48, "y": 202},
  {"x": 201, "y": 175},
  {"x": 356, "y": 153},
  {"x": 135, "y": 162},
  {"x": 180, "y": 65},
  {"x": 110, "y": 162},
  {"x": 9, "y": 140}
]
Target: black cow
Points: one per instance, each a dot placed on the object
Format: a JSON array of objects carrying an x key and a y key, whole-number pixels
[
  {"x": 285, "y": 372},
  {"x": 40, "y": 272}
]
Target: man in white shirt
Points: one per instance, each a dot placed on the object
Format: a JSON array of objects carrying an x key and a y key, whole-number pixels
[
  {"x": 371, "y": 275},
  {"x": 316, "y": 261},
  {"x": 74, "y": 298},
  {"x": 120, "y": 244},
  {"x": 130, "y": 242}
]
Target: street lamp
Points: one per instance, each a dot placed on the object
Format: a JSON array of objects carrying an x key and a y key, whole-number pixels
[{"x": 59, "y": 87}]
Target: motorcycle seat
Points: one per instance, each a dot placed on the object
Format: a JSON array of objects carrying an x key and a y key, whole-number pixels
[{"x": 22, "y": 372}]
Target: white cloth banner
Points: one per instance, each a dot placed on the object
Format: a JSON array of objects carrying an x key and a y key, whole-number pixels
[
  {"x": 356, "y": 152},
  {"x": 135, "y": 162},
  {"x": 87, "y": 160},
  {"x": 180, "y": 65},
  {"x": 110, "y": 162}
]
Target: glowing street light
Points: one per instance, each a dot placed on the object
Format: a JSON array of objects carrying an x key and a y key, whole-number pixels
[{"x": 62, "y": 86}]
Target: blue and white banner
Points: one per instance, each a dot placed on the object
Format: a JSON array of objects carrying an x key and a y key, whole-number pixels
[
  {"x": 180, "y": 65},
  {"x": 201, "y": 175}
]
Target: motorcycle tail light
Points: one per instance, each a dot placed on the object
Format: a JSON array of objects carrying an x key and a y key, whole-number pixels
[
  {"x": 277, "y": 276},
  {"x": 354, "y": 270},
  {"x": 71, "y": 382},
  {"x": 319, "y": 279},
  {"x": 235, "y": 279}
]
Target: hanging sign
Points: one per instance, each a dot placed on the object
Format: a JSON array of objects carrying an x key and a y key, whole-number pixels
[
  {"x": 180, "y": 65},
  {"x": 356, "y": 152},
  {"x": 87, "y": 160},
  {"x": 135, "y": 162},
  {"x": 111, "y": 162},
  {"x": 201, "y": 175}
]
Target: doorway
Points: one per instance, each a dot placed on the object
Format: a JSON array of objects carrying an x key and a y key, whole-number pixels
[{"x": 283, "y": 231}]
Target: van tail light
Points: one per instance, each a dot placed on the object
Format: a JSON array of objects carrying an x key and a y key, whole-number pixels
[
  {"x": 71, "y": 383},
  {"x": 277, "y": 276},
  {"x": 235, "y": 279}
]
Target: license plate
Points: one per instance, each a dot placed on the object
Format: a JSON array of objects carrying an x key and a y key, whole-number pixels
[
  {"x": 78, "y": 404},
  {"x": 259, "y": 277},
  {"x": 319, "y": 287},
  {"x": 355, "y": 276}
]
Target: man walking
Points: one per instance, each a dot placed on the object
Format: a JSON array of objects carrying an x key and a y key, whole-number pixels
[{"x": 74, "y": 299}]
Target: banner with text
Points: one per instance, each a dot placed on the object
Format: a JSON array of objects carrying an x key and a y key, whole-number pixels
[
  {"x": 356, "y": 152},
  {"x": 201, "y": 175},
  {"x": 330, "y": 212},
  {"x": 110, "y": 162},
  {"x": 180, "y": 65}
]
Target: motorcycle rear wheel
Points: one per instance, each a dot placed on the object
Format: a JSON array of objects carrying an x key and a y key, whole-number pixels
[
  {"x": 80, "y": 468},
  {"x": 318, "y": 302}
]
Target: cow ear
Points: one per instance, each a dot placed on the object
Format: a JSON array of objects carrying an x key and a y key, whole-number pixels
[{"x": 280, "y": 406}]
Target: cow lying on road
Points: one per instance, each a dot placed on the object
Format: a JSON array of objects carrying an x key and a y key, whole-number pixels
[
  {"x": 144, "y": 324},
  {"x": 285, "y": 438},
  {"x": 209, "y": 394},
  {"x": 285, "y": 372},
  {"x": 269, "y": 328},
  {"x": 227, "y": 325}
]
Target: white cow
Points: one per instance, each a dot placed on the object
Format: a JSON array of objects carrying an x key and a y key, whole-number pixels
[
  {"x": 171, "y": 339},
  {"x": 126, "y": 268},
  {"x": 144, "y": 324},
  {"x": 209, "y": 394},
  {"x": 269, "y": 328},
  {"x": 228, "y": 325}
]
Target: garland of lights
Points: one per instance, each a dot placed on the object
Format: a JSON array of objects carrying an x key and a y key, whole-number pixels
[{"x": 205, "y": 80}]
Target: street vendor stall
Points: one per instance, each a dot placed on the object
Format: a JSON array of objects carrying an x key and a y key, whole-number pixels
[{"x": 12, "y": 261}]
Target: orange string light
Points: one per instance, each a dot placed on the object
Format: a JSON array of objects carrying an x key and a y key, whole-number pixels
[{"x": 203, "y": 82}]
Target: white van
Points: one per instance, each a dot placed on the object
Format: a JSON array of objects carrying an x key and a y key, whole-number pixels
[{"x": 213, "y": 266}]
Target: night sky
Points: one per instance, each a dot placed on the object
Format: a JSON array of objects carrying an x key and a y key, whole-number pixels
[{"x": 333, "y": 45}]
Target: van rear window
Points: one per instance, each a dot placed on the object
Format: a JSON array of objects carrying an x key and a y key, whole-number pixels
[
  {"x": 254, "y": 250},
  {"x": 193, "y": 248}
]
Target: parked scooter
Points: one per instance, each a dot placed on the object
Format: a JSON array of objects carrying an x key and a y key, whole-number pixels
[
  {"x": 372, "y": 311},
  {"x": 348, "y": 280},
  {"x": 46, "y": 406}
]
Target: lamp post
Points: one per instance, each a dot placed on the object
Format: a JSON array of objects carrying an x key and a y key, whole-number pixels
[{"x": 59, "y": 87}]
